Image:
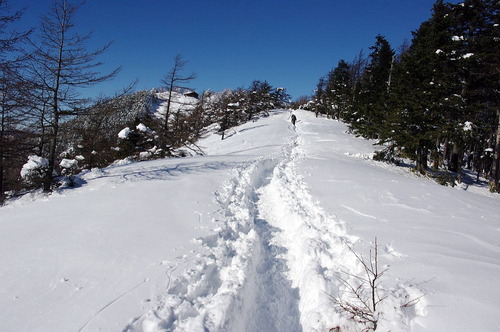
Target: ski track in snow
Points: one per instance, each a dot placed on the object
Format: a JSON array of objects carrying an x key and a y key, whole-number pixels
[{"x": 272, "y": 264}]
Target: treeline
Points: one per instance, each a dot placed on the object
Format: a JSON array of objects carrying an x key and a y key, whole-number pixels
[
  {"x": 48, "y": 131},
  {"x": 434, "y": 100}
]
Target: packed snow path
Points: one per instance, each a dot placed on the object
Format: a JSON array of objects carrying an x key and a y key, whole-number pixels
[{"x": 242, "y": 281}]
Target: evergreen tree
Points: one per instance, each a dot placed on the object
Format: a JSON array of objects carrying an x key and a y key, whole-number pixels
[
  {"x": 280, "y": 98},
  {"x": 371, "y": 106},
  {"x": 319, "y": 98},
  {"x": 339, "y": 92},
  {"x": 478, "y": 31},
  {"x": 259, "y": 98},
  {"x": 421, "y": 90}
]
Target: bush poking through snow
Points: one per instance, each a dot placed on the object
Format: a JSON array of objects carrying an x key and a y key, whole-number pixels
[
  {"x": 388, "y": 155},
  {"x": 69, "y": 167},
  {"x": 362, "y": 292},
  {"x": 363, "y": 299},
  {"x": 446, "y": 178}
]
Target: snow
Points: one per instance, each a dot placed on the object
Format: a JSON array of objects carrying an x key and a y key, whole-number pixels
[
  {"x": 468, "y": 126},
  {"x": 34, "y": 163},
  {"x": 145, "y": 155},
  {"x": 141, "y": 127},
  {"x": 124, "y": 133},
  {"x": 68, "y": 163},
  {"x": 253, "y": 236},
  {"x": 179, "y": 103}
]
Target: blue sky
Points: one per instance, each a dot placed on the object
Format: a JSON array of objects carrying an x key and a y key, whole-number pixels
[{"x": 229, "y": 44}]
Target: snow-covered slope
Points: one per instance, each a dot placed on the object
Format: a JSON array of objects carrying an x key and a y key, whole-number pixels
[{"x": 254, "y": 236}]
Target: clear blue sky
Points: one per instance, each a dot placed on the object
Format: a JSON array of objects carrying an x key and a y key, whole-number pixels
[{"x": 289, "y": 43}]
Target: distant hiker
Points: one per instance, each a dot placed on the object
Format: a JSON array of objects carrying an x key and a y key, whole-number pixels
[{"x": 294, "y": 118}]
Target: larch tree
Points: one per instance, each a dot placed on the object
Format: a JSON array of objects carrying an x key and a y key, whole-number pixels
[
  {"x": 174, "y": 79},
  {"x": 61, "y": 64},
  {"x": 11, "y": 94}
]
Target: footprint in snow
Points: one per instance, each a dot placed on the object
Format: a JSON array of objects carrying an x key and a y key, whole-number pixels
[{"x": 390, "y": 250}]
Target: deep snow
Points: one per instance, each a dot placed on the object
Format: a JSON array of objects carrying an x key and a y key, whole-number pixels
[{"x": 254, "y": 236}]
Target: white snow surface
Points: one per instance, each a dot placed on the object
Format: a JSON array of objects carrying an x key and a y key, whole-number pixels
[
  {"x": 178, "y": 103},
  {"x": 124, "y": 133},
  {"x": 253, "y": 236},
  {"x": 143, "y": 128},
  {"x": 68, "y": 163}
]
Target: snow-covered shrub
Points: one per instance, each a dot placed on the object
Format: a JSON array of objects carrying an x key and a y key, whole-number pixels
[
  {"x": 446, "y": 179},
  {"x": 34, "y": 171},
  {"x": 145, "y": 155},
  {"x": 388, "y": 155},
  {"x": 69, "y": 167},
  {"x": 124, "y": 133},
  {"x": 138, "y": 143}
]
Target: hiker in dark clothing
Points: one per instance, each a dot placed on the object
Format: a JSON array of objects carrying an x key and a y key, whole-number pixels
[{"x": 294, "y": 118}]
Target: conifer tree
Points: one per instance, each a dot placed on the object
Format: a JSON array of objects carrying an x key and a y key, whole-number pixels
[
  {"x": 373, "y": 94},
  {"x": 478, "y": 31},
  {"x": 421, "y": 90},
  {"x": 339, "y": 92},
  {"x": 60, "y": 64},
  {"x": 320, "y": 96}
]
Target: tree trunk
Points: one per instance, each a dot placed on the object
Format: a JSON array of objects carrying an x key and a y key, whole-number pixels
[
  {"x": 55, "y": 125},
  {"x": 496, "y": 162},
  {"x": 421, "y": 160},
  {"x": 47, "y": 185},
  {"x": 436, "y": 157},
  {"x": 2, "y": 144}
]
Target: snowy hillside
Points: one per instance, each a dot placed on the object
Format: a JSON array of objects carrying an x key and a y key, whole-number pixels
[
  {"x": 179, "y": 103},
  {"x": 253, "y": 236}
]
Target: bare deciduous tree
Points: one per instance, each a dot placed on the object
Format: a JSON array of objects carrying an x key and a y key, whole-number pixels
[
  {"x": 11, "y": 96},
  {"x": 174, "y": 80},
  {"x": 60, "y": 65},
  {"x": 363, "y": 291}
]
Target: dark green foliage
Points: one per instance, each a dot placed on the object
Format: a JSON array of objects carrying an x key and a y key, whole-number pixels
[
  {"x": 319, "y": 99},
  {"x": 338, "y": 92},
  {"x": 388, "y": 155},
  {"x": 371, "y": 104},
  {"x": 438, "y": 100}
]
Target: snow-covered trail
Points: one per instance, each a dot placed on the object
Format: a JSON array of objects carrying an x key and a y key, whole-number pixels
[
  {"x": 315, "y": 242},
  {"x": 239, "y": 282}
]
